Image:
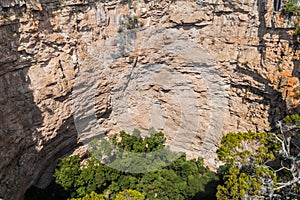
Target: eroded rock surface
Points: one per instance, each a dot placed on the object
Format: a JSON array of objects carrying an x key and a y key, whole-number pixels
[{"x": 193, "y": 69}]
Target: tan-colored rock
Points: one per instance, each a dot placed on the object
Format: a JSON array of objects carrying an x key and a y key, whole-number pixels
[{"x": 194, "y": 70}]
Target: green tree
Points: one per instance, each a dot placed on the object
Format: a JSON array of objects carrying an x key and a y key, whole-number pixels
[
  {"x": 67, "y": 173},
  {"x": 290, "y": 8},
  {"x": 245, "y": 173},
  {"x": 261, "y": 165},
  {"x": 91, "y": 178},
  {"x": 183, "y": 179},
  {"x": 130, "y": 195}
]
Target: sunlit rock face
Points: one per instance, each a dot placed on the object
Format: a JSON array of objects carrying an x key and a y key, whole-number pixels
[{"x": 73, "y": 70}]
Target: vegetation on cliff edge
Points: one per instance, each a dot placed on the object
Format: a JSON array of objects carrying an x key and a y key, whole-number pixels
[{"x": 256, "y": 166}]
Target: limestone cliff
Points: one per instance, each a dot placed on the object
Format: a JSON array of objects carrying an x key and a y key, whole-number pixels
[{"x": 193, "y": 69}]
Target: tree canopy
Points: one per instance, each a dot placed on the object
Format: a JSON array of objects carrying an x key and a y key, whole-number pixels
[
  {"x": 85, "y": 179},
  {"x": 256, "y": 165},
  {"x": 261, "y": 165}
]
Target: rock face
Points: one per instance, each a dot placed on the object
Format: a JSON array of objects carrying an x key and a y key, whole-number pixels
[{"x": 71, "y": 70}]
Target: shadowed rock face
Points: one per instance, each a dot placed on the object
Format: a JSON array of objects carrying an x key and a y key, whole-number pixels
[{"x": 195, "y": 70}]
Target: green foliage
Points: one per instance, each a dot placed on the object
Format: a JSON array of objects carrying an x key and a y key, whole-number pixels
[
  {"x": 132, "y": 153},
  {"x": 292, "y": 119},
  {"x": 67, "y": 172},
  {"x": 236, "y": 147},
  {"x": 290, "y": 8},
  {"x": 180, "y": 180},
  {"x": 91, "y": 196},
  {"x": 241, "y": 182},
  {"x": 245, "y": 172},
  {"x": 90, "y": 178},
  {"x": 261, "y": 165},
  {"x": 136, "y": 144},
  {"x": 297, "y": 29},
  {"x": 130, "y": 195}
]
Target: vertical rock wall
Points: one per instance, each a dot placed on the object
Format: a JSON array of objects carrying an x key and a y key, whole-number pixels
[{"x": 45, "y": 45}]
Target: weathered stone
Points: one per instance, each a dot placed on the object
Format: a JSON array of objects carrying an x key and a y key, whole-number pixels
[{"x": 195, "y": 70}]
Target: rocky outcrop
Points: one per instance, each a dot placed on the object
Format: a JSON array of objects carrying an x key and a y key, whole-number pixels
[{"x": 71, "y": 70}]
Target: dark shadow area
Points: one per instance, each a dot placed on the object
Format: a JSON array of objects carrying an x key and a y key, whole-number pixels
[
  {"x": 277, "y": 5},
  {"x": 296, "y": 109},
  {"x": 52, "y": 192},
  {"x": 19, "y": 116},
  {"x": 262, "y": 28},
  {"x": 56, "y": 148},
  {"x": 296, "y": 70},
  {"x": 271, "y": 97},
  {"x": 296, "y": 73},
  {"x": 59, "y": 146},
  {"x": 209, "y": 191},
  {"x": 26, "y": 156}
]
